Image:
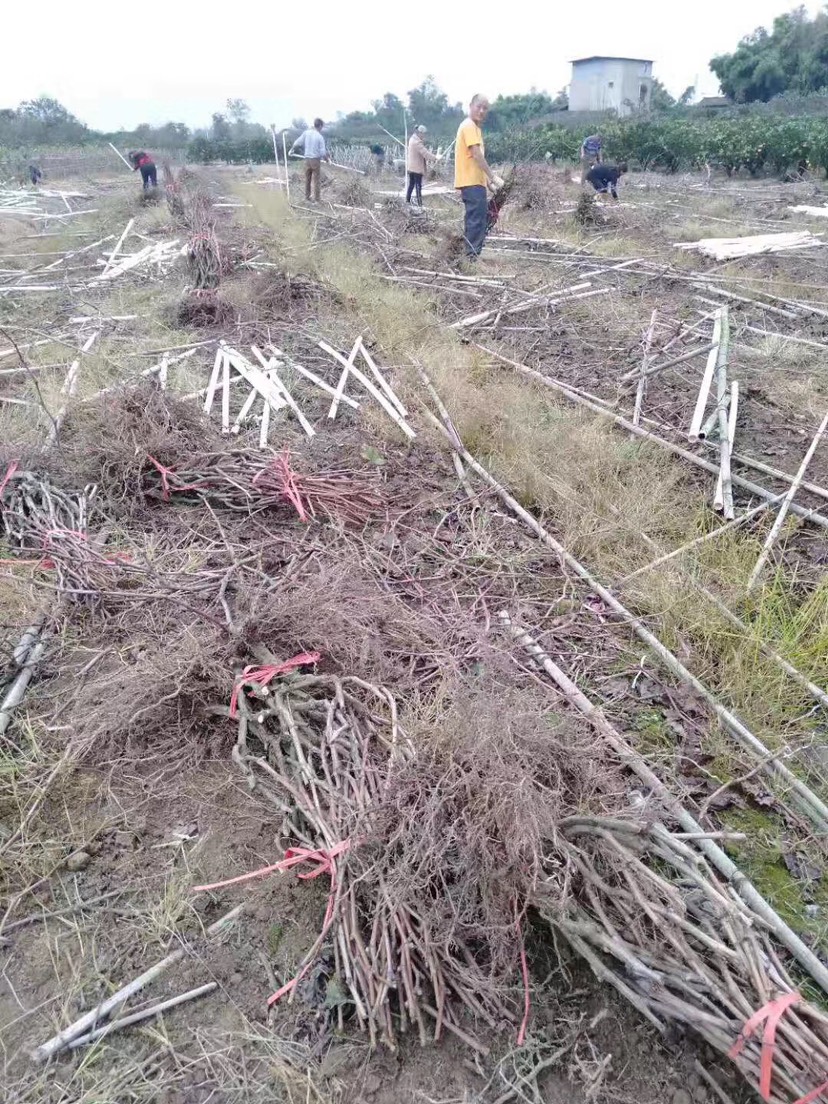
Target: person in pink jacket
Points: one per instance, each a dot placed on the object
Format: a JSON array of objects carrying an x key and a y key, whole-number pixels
[{"x": 419, "y": 158}]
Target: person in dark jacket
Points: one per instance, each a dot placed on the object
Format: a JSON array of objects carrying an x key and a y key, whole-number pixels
[
  {"x": 149, "y": 173},
  {"x": 35, "y": 175},
  {"x": 604, "y": 178}
]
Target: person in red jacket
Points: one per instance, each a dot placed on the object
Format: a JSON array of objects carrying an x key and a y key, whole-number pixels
[{"x": 149, "y": 173}]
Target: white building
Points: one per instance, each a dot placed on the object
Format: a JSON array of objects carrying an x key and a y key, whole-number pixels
[{"x": 617, "y": 84}]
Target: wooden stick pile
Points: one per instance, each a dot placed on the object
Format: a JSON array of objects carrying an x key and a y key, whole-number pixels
[
  {"x": 323, "y": 749},
  {"x": 654, "y": 920},
  {"x": 239, "y": 480}
]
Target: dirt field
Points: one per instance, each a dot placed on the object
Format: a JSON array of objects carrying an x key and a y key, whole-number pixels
[{"x": 171, "y": 560}]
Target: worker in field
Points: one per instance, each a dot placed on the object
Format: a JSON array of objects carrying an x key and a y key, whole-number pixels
[
  {"x": 592, "y": 153},
  {"x": 146, "y": 163},
  {"x": 472, "y": 175},
  {"x": 314, "y": 152},
  {"x": 419, "y": 158},
  {"x": 35, "y": 175},
  {"x": 378, "y": 154},
  {"x": 604, "y": 178}
]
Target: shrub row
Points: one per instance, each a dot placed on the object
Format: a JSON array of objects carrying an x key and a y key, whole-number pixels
[{"x": 754, "y": 144}]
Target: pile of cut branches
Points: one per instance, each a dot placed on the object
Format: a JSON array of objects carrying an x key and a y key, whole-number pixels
[
  {"x": 437, "y": 847},
  {"x": 430, "y": 852},
  {"x": 654, "y": 920},
  {"x": 238, "y": 480}
]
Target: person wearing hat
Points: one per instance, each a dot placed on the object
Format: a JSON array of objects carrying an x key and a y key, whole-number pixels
[{"x": 419, "y": 159}]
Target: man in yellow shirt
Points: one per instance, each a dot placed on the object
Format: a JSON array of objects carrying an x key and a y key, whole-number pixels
[{"x": 472, "y": 174}]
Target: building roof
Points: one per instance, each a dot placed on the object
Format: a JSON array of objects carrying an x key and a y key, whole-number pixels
[
  {"x": 714, "y": 101},
  {"x": 607, "y": 57}
]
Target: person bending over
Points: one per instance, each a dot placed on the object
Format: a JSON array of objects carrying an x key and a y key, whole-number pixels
[{"x": 604, "y": 178}]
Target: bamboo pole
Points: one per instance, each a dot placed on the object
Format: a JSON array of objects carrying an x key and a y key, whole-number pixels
[
  {"x": 89, "y": 1019},
  {"x": 117, "y": 247},
  {"x": 343, "y": 378},
  {"x": 320, "y": 383},
  {"x": 653, "y": 369},
  {"x": 724, "y": 481},
  {"x": 712, "y": 852},
  {"x": 214, "y": 378},
  {"x": 385, "y": 403},
  {"x": 815, "y": 691},
  {"x": 642, "y": 383},
  {"x": 718, "y": 498},
  {"x": 713, "y": 421},
  {"x": 707, "y": 378},
  {"x": 695, "y": 543},
  {"x": 144, "y": 1014},
  {"x": 381, "y": 380},
  {"x": 121, "y": 156},
  {"x": 576, "y": 396},
  {"x": 805, "y": 798},
  {"x": 785, "y": 507},
  {"x": 287, "y": 170}
]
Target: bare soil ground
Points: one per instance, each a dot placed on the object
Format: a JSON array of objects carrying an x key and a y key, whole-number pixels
[{"x": 120, "y": 770}]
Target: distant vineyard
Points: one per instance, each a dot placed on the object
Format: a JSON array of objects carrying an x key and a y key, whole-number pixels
[{"x": 754, "y": 144}]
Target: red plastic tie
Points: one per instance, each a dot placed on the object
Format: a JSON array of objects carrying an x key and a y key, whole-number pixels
[
  {"x": 325, "y": 860},
  {"x": 10, "y": 470},
  {"x": 165, "y": 473},
  {"x": 265, "y": 675},
  {"x": 280, "y": 469},
  {"x": 770, "y": 1014}
]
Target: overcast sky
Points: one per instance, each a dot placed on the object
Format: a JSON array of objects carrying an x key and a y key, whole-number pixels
[{"x": 122, "y": 64}]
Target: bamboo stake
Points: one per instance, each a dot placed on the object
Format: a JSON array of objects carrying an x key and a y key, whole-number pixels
[
  {"x": 642, "y": 383},
  {"x": 576, "y": 396},
  {"x": 652, "y": 370},
  {"x": 245, "y": 410},
  {"x": 287, "y": 170},
  {"x": 214, "y": 378},
  {"x": 712, "y": 852},
  {"x": 707, "y": 378},
  {"x": 162, "y": 372},
  {"x": 733, "y": 399},
  {"x": 805, "y": 797},
  {"x": 387, "y": 406},
  {"x": 118, "y": 245},
  {"x": 264, "y": 427},
  {"x": 144, "y": 1014},
  {"x": 381, "y": 380},
  {"x": 713, "y": 421},
  {"x": 786, "y": 504},
  {"x": 225, "y": 396},
  {"x": 724, "y": 436},
  {"x": 695, "y": 543},
  {"x": 60, "y": 1041},
  {"x": 273, "y": 376},
  {"x": 343, "y": 379},
  {"x": 121, "y": 156},
  {"x": 17, "y": 690},
  {"x": 306, "y": 372},
  {"x": 793, "y": 672}
]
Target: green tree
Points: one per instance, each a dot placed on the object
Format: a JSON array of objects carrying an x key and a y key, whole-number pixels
[
  {"x": 220, "y": 129},
  {"x": 429, "y": 106},
  {"x": 238, "y": 110},
  {"x": 793, "y": 57},
  {"x": 509, "y": 112},
  {"x": 660, "y": 98},
  {"x": 389, "y": 112}
]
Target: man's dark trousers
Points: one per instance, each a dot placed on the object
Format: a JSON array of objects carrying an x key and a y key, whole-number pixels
[{"x": 477, "y": 205}]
